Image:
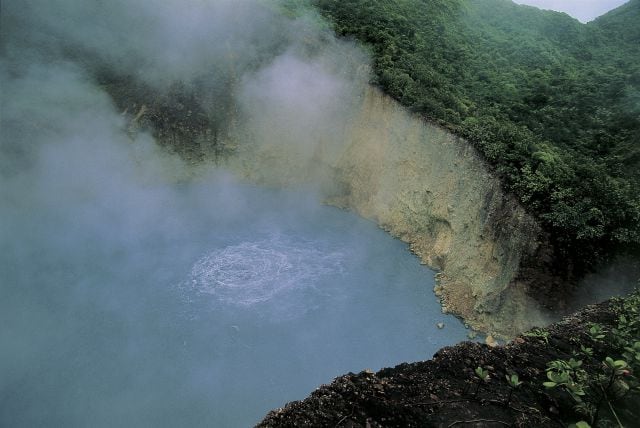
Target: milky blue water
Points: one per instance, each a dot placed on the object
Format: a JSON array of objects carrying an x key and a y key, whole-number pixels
[{"x": 199, "y": 305}]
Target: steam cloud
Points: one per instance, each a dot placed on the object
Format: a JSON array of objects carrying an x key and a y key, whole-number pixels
[
  {"x": 65, "y": 151},
  {"x": 79, "y": 192},
  {"x": 158, "y": 41}
]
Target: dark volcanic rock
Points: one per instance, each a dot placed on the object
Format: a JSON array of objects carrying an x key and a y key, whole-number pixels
[{"x": 444, "y": 392}]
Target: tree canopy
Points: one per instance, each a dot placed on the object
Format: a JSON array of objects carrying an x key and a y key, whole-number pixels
[{"x": 552, "y": 104}]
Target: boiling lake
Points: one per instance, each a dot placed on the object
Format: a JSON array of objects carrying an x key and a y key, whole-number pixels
[{"x": 204, "y": 303}]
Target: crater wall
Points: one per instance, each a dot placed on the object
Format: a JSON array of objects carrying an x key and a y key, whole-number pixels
[{"x": 426, "y": 187}]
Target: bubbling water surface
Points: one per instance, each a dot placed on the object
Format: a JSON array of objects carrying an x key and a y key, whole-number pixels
[
  {"x": 251, "y": 273},
  {"x": 225, "y": 302}
]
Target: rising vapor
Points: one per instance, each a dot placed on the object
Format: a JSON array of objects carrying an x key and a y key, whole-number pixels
[{"x": 91, "y": 180}]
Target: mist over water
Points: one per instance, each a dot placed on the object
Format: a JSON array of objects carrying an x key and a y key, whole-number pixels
[
  {"x": 137, "y": 290},
  {"x": 211, "y": 318}
]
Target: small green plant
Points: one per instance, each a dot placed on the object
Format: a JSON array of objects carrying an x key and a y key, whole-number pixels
[
  {"x": 632, "y": 353},
  {"x": 483, "y": 377},
  {"x": 482, "y": 374},
  {"x": 581, "y": 424},
  {"x": 612, "y": 385},
  {"x": 596, "y": 332},
  {"x": 514, "y": 383},
  {"x": 513, "y": 380},
  {"x": 567, "y": 375},
  {"x": 573, "y": 379},
  {"x": 538, "y": 333},
  {"x": 617, "y": 367},
  {"x": 586, "y": 351}
]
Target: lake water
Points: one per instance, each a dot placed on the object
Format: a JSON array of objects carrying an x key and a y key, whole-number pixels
[{"x": 202, "y": 304}]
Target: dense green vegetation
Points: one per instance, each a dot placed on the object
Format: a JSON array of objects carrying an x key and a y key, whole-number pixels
[{"x": 552, "y": 104}]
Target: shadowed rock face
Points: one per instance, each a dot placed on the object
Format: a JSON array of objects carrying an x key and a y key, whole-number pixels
[{"x": 428, "y": 188}]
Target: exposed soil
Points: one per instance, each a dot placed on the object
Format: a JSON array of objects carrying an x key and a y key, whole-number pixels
[{"x": 444, "y": 392}]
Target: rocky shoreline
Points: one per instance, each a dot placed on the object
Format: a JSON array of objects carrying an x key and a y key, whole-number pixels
[{"x": 444, "y": 392}]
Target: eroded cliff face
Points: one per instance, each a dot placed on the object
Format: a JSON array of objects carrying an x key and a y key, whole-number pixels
[{"x": 426, "y": 187}]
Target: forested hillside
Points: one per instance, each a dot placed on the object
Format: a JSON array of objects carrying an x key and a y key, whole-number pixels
[{"x": 552, "y": 104}]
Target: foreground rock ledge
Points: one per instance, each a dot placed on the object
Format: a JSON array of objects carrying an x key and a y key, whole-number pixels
[{"x": 441, "y": 392}]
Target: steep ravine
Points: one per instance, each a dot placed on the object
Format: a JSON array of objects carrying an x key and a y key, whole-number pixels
[{"x": 428, "y": 188}]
